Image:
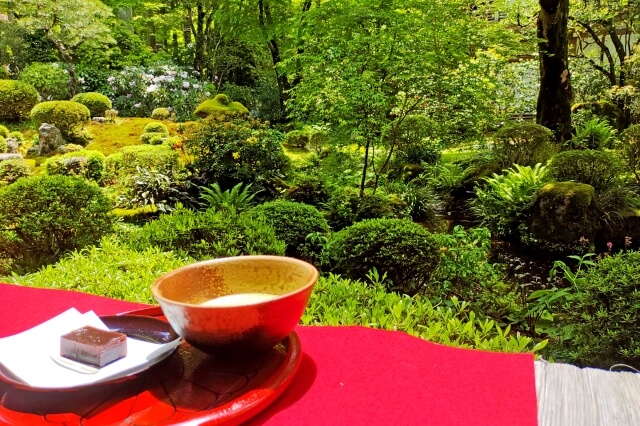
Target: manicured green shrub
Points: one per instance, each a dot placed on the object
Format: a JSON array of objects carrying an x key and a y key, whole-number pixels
[
  {"x": 49, "y": 79},
  {"x": 600, "y": 169},
  {"x": 44, "y": 217},
  {"x": 152, "y": 188},
  {"x": 4, "y": 132},
  {"x": 403, "y": 250},
  {"x": 599, "y": 109},
  {"x": 13, "y": 169},
  {"x": 526, "y": 144},
  {"x": 65, "y": 115},
  {"x": 97, "y": 103},
  {"x": 426, "y": 151},
  {"x": 297, "y": 138},
  {"x": 310, "y": 190},
  {"x": 137, "y": 215},
  {"x": 84, "y": 163},
  {"x": 502, "y": 202},
  {"x": 156, "y": 127},
  {"x": 247, "y": 151},
  {"x": 3, "y": 145},
  {"x": 208, "y": 234},
  {"x": 293, "y": 223},
  {"x": 112, "y": 270},
  {"x": 220, "y": 106},
  {"x": 153, "y": 138},
  {"x": 346, "y": 207},
  {"x": 160, "y": 114},
  {"x": 160, "y": 158},
  {"x": 603, "y": 313},
  {"x": 337, "y": 301},
  {"x": 17, "y": 135},
  {"x": 16, "y": 100}
]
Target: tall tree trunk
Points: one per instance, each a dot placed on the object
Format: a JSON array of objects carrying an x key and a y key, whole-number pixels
[
  {"x": 68, "y": 60},
  {"x": 554, "y": 98}
]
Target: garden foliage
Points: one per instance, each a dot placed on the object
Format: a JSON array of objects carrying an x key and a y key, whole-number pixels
[
  {"x": 97, "y": 103},
  {"x": 17, "y": 99},
  {"x": 600, "y": 169},
  {"x": 65, "y": 115},
  {"x": 84, "y": 163},
  {"x": 44, "y": 217},
  {"x": 51, "y": 80},
  {"x": 293, "y": 223},
  {"x": 400, "y": 249},
  {"x": 525, "y": 144},
  {"x": 13, "y": 169}
]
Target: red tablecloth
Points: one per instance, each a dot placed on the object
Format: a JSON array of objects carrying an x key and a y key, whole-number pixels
[{"x": 352, "y": 375}]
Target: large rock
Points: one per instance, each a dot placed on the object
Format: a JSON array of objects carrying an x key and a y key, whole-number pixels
[
  {"x": 12, "y": 145},
  {"x": 50, "y": 138},
  {"x": 10, "y": 156},
  {"x": 564, "y": 216}
]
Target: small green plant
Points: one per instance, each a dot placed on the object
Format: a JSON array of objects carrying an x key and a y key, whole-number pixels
[
  {"x": 297, "y": 138},
  {"x": 3, "y": 145},
  {"x": 220, "y": 106},
  {"x": 231, "y": 199},
  {"x": 630, "y": 139},
  {"x": 403, "y": 250},
  {"x": 151, "y": 188},
  {"x": 502, "y": 203},
  {"x": 156, "y": 127},
  {"x": 594, "y": 134},
  {"x": 4, "y": 132},
  {"x": 445, "y": 177}
]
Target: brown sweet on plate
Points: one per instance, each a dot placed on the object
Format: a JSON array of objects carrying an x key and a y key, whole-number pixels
[{"x": 90, "y": 345}]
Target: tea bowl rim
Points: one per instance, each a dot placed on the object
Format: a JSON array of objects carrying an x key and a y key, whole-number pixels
[{"x": 309, "y": 284}]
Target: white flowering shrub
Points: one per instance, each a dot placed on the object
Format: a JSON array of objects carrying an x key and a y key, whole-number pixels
[{"x": 137, "y": 91}]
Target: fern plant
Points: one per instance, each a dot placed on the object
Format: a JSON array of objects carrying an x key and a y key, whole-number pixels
[
  {"x": 239, "y": 200},
  {"x": 594, "y": 134},
  {"x": 503, "y": 202}
]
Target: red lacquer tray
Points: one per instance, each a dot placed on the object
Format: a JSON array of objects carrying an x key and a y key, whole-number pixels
[{"x": 188, "y": 388}]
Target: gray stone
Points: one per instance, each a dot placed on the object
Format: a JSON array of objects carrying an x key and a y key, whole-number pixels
[
  {"x": 75, "y": 165},
  {"x": 70, "y": 147},
  {"x": 100, "y": 120},
  {"x": 9, "y": 156},
  {"x": 33, "y": 150},
  {"x": 12, "y": 145},
  {"x": 50, "y": 138}
]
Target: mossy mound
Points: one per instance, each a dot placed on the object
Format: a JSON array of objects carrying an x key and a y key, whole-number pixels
[
  {"x": 220, "y": 106},
  {"x": 564, "y": 214}
]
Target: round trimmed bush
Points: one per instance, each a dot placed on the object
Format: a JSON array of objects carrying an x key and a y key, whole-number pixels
[
  {"x": 156, "y": 127},
  {"x": 97, "y": 103},
  {"x": 50, "y": 80},
  {"x": 309, "y": 190},
  {"x": 4, "y": 132},
  {"x": 525, "y": 144},
  {"x": 18, "y": 136},
  {"x": 65, "y": 115},
  {"x": 17, "y": 99},
  {"x": 600, "y": 169},
  {"x": 220, "y": 105},
  {"x": 293, "y": 222},
  {"x": 297, "y": 138},
  {"x": 85, "y": 163},
  {"x": 44, "y": 217},
  {"x": 3, "y": 145},
  {"x": 13, "y": 169},
  {"x": 160, "y": 114},
  {"x": 403, "y": 250},
  {"x": 160, "y": 158},
  {"x": 153, "y": 138},
  {"x": 208, "y": 234}
]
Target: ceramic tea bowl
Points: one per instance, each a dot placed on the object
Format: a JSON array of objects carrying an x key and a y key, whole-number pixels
[{"x": 236, "y": 306}]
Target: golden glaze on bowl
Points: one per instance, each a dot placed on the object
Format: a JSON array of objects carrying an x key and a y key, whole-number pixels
[{"x": 236, "y": 330}]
